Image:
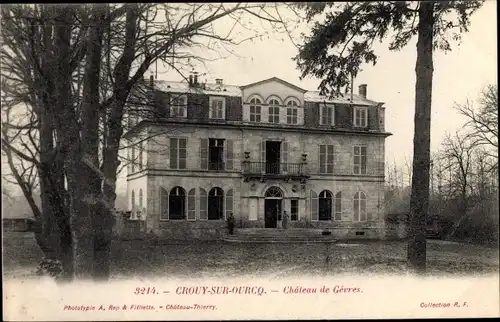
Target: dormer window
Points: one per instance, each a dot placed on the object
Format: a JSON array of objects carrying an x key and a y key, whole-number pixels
[
  {"x": 274, "y": 111},
  {"x": 360, "y": 116},
  {"x": 178, "y": 105},
  {"x": 326, "y": 114},
  {"x": 217, "y": 108}
]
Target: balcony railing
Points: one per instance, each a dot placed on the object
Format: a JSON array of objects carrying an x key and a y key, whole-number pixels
[
  {"x": 216, "y": 166},
  {"x": 269, "y": 168}
]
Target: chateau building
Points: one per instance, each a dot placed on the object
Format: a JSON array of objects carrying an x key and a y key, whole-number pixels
[{"x": 203, "y": 151}]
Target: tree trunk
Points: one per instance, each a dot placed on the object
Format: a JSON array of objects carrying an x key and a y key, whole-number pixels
[{"x": 419, "y": 203}]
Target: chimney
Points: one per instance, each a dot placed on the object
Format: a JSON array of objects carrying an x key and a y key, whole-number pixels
[
  {"x": 151, "y": 80},
  {"x": 218, "y": 81},
  {"x": 362, "y": 90}
]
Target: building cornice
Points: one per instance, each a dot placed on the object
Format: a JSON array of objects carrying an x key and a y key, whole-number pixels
[{"x": 257, "y": 127}]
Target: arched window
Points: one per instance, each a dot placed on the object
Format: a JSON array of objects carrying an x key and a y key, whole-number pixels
[
  {"x": 255, "y": 110},
  {"x": 338, "y": 206},
  {"x": 292, "y": 112},
  {"x": 140, "y": 199},
  {"x": 325, "y": 205},
  {"x": 359, "y": 206},
  {"x": 163, "y": 204},
  {"x": 132, "y": 201},
  {"x": 177, "y": 204},
  {"x": 274, "y": 192},
  {"x": 274, "y": 111},
  {"x": 216, "y": 204}
]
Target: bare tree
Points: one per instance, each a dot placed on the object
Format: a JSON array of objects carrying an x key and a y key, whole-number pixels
[{"x": 483, "y": 121}]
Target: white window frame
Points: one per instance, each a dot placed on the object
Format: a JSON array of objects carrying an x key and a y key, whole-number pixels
[
  {"x": 332, "y": 163},
  {"x": 361, "y": 170},
  {"x": 273, "y": 118},
  {"x": 255, "y": 103},
  {"x": 292, "y": 112},
  {"x": 322, "y": 121},
  {"x": 359, "y": 196},
  {"x": 363, "y": 122},
  {"x": 179, "y": 109},
  {"x": 222, "y": 111},
  {"x": 178, "y": 149}
]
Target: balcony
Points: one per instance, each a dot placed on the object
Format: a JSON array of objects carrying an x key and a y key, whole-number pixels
[
  {"x": 216, "y": 166},
  {"x": 263, "y": 170}
]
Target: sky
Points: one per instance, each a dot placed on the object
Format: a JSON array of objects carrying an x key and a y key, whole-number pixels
[{"x": 458, "y": 75}]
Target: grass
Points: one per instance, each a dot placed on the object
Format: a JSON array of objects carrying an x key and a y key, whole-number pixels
[{"x": 219, "y": 259}]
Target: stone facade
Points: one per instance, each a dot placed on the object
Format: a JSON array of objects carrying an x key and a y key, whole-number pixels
[{"x": 245, "y": 195}]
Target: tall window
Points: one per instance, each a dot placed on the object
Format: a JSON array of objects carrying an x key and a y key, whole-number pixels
[
  {"x": 326, "y": 159},
  {"x": 177, "y": 204},
  {"x": 294, "y": 209},
  {"x": 359, "y": 206},
  {"x": 360, "y": 160},
  {"x": 132, "y": 201},
  {"x": 274, "y": 111},
  {"x": 360, "y": 117},
  {"x": 216, "y": 204},
  {"x": 217, "y": 107},
  {"x": 178, "y": 105},
  {"x": 141, "y": 155},
  {"x": 216, "y": 154},
  {"x": 255, "y": 110},
  {"x": 178, "y": 153},
  {"x": 325, "y": 205},
  {"x": 326, "y": 115},
  {"x": 338, "y": 206},
  {"x": 140, "y": 199},
  {"x": 292, "y": 112}
]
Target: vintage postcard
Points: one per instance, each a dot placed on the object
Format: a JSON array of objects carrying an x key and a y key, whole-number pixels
[{"x": 248, "y": 161}]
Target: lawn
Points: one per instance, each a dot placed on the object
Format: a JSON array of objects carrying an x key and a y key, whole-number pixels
[{"x": 219, "y": 259}]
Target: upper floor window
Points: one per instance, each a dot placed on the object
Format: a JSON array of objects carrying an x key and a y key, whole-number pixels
[
  {"x": 255, "y": 110},
  {"x": 178, "y": 153},
  {"x": 178, "y": 105},
  {"x": 217, "y": 107},
  {"x": 326, "y": 159},
  {"x": 326, "y": 114},
  {"x": 360, "y": 117},
  {"x": 274, "y": 111},
  {"x": 292, "y": 112},
  {"x": 359, "y": 160},
  {"x": 215, "y": 154}
]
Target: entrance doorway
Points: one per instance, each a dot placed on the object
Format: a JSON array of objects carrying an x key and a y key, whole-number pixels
[
  {"x": 272, "y": 207},
  {"x": 273, "y": 156}
]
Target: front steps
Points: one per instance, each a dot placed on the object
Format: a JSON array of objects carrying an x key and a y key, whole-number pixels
[{"x": 277, "y": 235}]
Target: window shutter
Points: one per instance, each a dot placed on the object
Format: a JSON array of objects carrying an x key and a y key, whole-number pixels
[
  {"x": 363, "y": 209},
  {"x": 173, "y": 153},
  {"x": 263, "y": 155},
  {"x": 314, "y": 206},
  {"x": 363, "y": 160},
  {"x": 229, "y": 202},
  {"x": 284, "y": 155},
  {"x": 191, "y": 214},
  {"x": 204, "y": 154},
  {"x": 338, "y": 206},
  {"x": 329, "y": 160},
  {"x": 163, "y": 204},
  {"x": 203, "y": 204},
  {"x": 229, "y": 154}
]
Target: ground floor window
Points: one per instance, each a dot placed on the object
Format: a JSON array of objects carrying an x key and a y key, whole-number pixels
[
  {"x": 163, "y": 204},
  {"x": 215, "y": 204},
  {"x": 359, "y": 205},
  {"x": 325, "y": 205},
  {"x": 294, "y": 209},
  {"x": 177, "y": 204}
]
